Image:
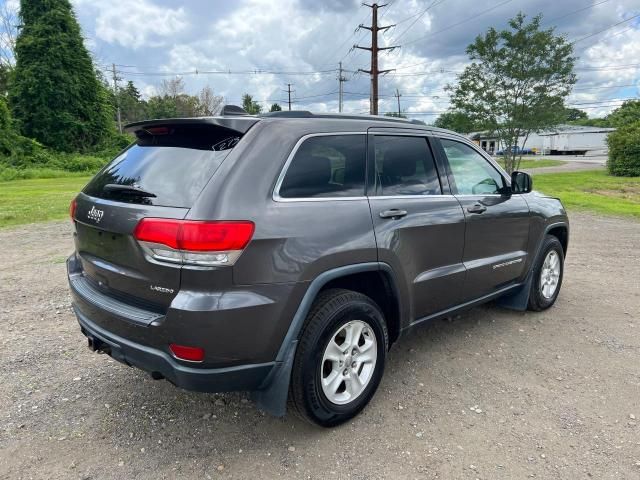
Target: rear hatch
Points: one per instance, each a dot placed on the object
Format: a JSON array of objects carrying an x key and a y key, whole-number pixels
[{"x": 160, "y": 176}]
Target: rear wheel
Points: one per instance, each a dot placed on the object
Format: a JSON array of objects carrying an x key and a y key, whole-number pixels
[
  {"x": 547, "y": 275},
  {"x": 340, "y": 358}
]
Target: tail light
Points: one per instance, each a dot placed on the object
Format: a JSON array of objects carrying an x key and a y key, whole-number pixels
[
  {"x": 190, "y": 354},
  {"x": 193, "y": 242},
  {"x": 72, "y": 209}
]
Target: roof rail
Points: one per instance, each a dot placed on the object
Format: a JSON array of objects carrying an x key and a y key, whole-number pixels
[
  {"x": 289, "y": 114},
  {"x": 343, "y": 116}
]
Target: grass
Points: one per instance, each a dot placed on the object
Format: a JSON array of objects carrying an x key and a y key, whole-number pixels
[
  {"x": 527, "y": 164},
  {"x": 593, "y": 190},
  {"x": 28, "y": 201}
]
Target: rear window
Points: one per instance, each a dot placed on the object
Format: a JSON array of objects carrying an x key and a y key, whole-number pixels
[
  {"x": 168, "y": 167},
  {"x": 327, "y": 166}
]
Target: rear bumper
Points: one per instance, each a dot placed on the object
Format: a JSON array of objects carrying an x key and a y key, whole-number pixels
[
  {"x": 160, "y": 364},
  {"x": 140, "y": 338}
]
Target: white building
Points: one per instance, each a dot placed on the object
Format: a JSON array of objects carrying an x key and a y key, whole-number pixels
[{"x": 561, "y": 140}]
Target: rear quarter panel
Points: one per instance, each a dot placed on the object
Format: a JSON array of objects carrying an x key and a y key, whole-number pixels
[{"x": 294, "y": 241}]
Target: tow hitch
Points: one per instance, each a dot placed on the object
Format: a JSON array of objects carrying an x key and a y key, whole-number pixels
[{"x": 97, "y": 345}]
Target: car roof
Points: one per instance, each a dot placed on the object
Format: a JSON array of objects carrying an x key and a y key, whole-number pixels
[{"x": 241, "y": 123}]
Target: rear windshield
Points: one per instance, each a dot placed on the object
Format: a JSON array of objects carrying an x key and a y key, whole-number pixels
[{"x": 163, "y": 169}]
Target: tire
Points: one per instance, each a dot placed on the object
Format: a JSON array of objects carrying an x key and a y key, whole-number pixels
[
  {"x": 543, "y": 296},
  {"x": 334, "y": 314}
]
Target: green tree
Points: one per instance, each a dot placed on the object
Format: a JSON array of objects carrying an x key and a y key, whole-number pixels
[
  {"x": 161, "y": 107},
  {"x": 517, "y": 82},
  {"x": 275, "y": 108},
  {"x": 592, "y": 122},
  {"x": 132, "y": 107},
  {"x": 575, "y": 114},
  {"x": 5, "y": 73},
  {"x": 250, "y": 105},
  {"x": 54, "y": 94},
  {"x": 456, "y": 121},
  {"x": 627, "y": 113},
  {"x": 13, "y": 146},
  {"x": 624, "y": 150}
]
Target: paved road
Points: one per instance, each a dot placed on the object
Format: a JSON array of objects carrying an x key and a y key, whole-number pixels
[
  {"x": 572, "y": 166},
  {"x": 597, "y": 159},
  {"x": 493, "y": 394}
]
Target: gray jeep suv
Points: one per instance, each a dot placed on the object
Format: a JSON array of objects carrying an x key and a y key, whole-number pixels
[{"x": 284, "y": 254}]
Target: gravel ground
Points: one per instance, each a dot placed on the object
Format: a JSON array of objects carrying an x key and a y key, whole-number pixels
[{"x": 491, "y": 394}]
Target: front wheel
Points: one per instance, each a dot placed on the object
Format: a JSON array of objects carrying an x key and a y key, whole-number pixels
[
  {"x": 547, "y": 275},
  {"x": 340, "y": 358}
]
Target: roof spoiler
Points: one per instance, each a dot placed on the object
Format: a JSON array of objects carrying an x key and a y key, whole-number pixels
[{"x": 234, "y": 124}]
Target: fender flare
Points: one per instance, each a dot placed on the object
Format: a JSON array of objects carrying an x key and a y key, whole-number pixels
[
  {"x": 273, "y": 393},
  {"x": 519, "y": 298}
]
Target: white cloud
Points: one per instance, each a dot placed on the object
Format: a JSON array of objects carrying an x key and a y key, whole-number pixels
[
  {"x": 306, "y": 35},
  {"x": 135, "y": 24}
]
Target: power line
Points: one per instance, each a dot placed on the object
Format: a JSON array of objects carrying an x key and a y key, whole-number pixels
[
  {"x": 473, "y": 17},
  {"x": 225, "y": 72},
  {"x": 345, "y": 42},
  {"x": 419, "y": 16},
  {"x": 577, "y": 11},
  {"x": 605, "y": 29},
  {"x": 607, "y": 38},
  {"x": 608, "y": 86}
]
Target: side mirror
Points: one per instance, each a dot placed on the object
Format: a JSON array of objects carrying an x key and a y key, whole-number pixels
[{"x": 521, "y": 182}]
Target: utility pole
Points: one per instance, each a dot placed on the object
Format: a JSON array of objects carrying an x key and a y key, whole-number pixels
[
  {"x": 397, "y": 95},
  {"x": 289, "y": 92},
  {"x": 341, "y": 80},
  {"x": 374, "y": 49},
  {"x": 115, "y": 95}
]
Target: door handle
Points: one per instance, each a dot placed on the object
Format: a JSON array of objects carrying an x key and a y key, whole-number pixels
[
  {"x": 476, "y": 208},
  {"x": 394, "y": 213}
]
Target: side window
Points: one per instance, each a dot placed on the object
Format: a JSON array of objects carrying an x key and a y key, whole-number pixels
[
  {"x": 405, "y": 166},
  {"x": 472, "y": 174},
  {"x": 327, "y": 166}
]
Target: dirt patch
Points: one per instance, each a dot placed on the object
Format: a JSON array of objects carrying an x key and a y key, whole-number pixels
[
  {"x": 493, "y": 394},
  {"x": 631, "y": 193}
]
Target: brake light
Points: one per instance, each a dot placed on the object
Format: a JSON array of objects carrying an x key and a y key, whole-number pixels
[
  {"x": 72, "y": 209},
  {"x": 191, "y": 354},
  {"x": 194, "y": 242}
]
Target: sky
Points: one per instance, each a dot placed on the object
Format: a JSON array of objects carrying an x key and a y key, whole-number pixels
[{"x": 269, "y": 44}]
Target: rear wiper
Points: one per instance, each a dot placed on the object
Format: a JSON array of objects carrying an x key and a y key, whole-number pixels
[{"x": 131, "y": 189}]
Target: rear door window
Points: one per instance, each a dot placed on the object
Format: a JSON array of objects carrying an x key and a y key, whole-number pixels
[
  {"x": 405, "y": 166},
  {"x": 169, "y": 167},
  {"x": 326, "y": 166}
]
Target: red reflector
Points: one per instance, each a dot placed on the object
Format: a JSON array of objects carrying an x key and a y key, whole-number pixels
[
  {"x": 192, "y": 354},
  {"x": 72, "y": 209},
  {"x": 195, "y": 236}
]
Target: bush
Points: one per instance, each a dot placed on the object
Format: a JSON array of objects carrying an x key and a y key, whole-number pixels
[{"x": 624, "y": 151}]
